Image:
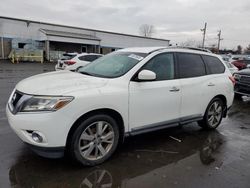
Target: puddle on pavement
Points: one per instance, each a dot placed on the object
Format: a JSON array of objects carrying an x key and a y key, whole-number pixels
[{"x": 128, "y": 167}]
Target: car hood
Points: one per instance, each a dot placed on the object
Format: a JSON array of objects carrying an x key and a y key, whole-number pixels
[
  {"x": 244, "y": 72},
  {"x": 59, "y": 83}
]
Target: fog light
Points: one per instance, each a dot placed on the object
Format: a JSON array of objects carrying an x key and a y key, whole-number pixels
[{"x": 36, "y": 137}]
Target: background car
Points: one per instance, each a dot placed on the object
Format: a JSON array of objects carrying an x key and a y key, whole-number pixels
[
  {"x": 231, "y": 67},
  {"x": 225, "y": 57},
  {"x": 72, "y": 61},
  {"x": 65, "y": 57},
  {"x": 242, "y": 85},
  {"x": 241, "y": 62}
]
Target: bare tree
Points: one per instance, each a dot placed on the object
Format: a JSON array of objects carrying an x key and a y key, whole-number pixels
[
  {"x": 239, "y": 49},
  {"x": 146, "y": 30},
  {"x": 191, "y": 43},
  {"x": 247, "y": 50}
]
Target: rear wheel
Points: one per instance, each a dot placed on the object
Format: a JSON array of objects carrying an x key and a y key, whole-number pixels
[
  {"x": 95, "y": 140},
  {"x": 213, "y": 114}
]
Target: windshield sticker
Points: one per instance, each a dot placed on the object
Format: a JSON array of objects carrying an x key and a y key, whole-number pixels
[{"x": 137, "y": 57}]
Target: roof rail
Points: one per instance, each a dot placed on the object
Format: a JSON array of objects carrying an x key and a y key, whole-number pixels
[
  {"x": 194, "y": 48},
  {"x": 162, "y": 48},
  {"x": 183, "y": 47}
]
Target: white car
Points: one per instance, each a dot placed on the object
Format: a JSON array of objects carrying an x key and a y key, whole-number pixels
[
  {"x": 73, "y": 61},
  {"x": 127, "y": 92}
]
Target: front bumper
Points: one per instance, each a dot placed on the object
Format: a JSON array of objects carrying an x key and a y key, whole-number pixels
[
  {"x": 52, "y": 152},
  {"x": 242, "y": 88},
  {"x": 54, "y": 126}
]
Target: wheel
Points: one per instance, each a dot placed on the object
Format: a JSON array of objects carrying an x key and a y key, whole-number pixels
[
  {"x": 213, "y": 114},
  {"x": 95, "y": 140}
]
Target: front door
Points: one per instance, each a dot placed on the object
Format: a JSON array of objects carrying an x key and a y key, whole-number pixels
[{"x": 155, "y": 103}]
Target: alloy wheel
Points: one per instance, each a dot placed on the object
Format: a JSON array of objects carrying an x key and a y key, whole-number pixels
[
  {"x": 214, "y": 114},
  {"x": 96, "y": 140}
]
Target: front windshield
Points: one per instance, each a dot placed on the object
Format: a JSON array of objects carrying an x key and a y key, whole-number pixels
[{"x": 112, "y": 65}]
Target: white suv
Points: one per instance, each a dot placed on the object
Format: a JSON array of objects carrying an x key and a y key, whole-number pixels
[{"x": 128, "y": 92}]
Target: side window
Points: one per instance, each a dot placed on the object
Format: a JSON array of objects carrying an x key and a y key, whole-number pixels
[
  {"x": 162, "y": 65},
  {"x": 214, "y": 65},
  {"x": 93, "y": 57},
  {"x": 89, "y": 58},
  {"x": 82, "y": 58},
  {"x": 190, "y": 65}
]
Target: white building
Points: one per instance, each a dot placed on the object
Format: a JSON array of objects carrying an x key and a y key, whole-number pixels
[{"x": 16, "y": 33}]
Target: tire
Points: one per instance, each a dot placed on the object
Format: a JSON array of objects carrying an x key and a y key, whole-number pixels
[
  {"x": 213, "y": 115},
  {"x": 95, "y": 140}
]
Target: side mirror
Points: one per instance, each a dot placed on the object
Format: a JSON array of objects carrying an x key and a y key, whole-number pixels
[{"x": 146, "y": 75}]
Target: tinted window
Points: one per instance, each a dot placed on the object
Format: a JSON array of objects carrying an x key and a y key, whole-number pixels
[
  {"x": 190, "y": 65},
  {"x": 89, "y": 58},
  {"x": 214, "y": 65},
  {"x": 162, "y": 65}
]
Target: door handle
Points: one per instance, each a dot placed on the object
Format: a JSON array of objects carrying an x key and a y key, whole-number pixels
[
  {"x": 211, "y": 84},
  {"x": 174, "y": 89}
]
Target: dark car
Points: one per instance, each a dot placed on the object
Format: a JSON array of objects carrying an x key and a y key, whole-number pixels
[
  {"x": 240, "y": 64},
  {"x": 242, "y": 86}
]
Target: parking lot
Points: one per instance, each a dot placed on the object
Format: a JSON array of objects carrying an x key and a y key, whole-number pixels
[{"x": 184, "y": 156}]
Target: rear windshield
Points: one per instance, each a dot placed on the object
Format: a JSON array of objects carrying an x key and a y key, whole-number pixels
[{"x": 67, "y": 56}]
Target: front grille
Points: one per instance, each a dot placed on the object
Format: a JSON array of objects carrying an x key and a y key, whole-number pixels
[
  {"x": 245, "y": 79},
  {"x": 242, "y": 88}
]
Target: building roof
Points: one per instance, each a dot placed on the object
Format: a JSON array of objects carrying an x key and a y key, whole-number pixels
[
  {"x": 142, "y": 49},
  {"x": 69, "y": 34},
  {"x": 74, "y": 27}
]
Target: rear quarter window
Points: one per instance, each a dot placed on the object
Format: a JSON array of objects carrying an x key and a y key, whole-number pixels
[
  {"x": 214, "y": 65},
  {"x": 190, "y": 65}
]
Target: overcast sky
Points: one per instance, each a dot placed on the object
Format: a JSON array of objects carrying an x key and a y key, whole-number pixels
[{"x": 177, "y": 20}]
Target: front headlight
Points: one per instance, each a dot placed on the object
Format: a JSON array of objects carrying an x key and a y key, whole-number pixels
[
  {"x": 237, "y": 76},
  {"x": 44, "y": 103}
]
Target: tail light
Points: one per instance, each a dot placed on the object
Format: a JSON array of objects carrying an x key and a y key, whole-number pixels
[
  {"x": 232, "y": 79},
  {"x": 69, "y": 62}
]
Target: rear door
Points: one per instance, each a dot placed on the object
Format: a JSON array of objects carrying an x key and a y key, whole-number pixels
[
  {"x": 196, "y": 85},
  {"x": 221, "y": 84}
]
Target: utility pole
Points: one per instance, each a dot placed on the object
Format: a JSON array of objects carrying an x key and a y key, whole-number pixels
[
  {"x": 219, "y": 39},
  {"x": 2, "y": 47},
  {"x": 204, "y": 30}
]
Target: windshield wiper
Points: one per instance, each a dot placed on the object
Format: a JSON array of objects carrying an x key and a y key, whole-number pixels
[{"x": 86, "y": 73}]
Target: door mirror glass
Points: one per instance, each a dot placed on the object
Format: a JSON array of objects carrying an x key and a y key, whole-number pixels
[{"x": 146, "y": 75}]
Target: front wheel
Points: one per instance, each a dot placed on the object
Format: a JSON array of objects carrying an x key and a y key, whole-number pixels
[
  {"x": 213, "y": 114},
  {"x": 95, "y": 140}
]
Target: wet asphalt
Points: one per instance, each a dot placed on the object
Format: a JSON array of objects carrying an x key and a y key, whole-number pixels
[{"x": 199, "y": 158}]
